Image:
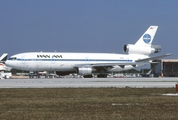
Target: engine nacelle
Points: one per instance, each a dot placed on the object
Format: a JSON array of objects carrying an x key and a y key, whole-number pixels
[
  {"x": 144, "y": 50},
  {"x": 84, "y": 71},
  {"x": 157, "y": 48}
]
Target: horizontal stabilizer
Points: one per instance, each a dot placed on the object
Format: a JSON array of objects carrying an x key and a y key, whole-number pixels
[{"x": 153, "y": 58}]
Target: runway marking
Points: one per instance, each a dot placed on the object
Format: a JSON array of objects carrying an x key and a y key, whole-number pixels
[
  {"x": 171, "y": 94},
  {"x": 130, "y": 104}
]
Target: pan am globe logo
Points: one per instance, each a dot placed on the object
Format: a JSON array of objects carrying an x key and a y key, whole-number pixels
[{"x": 147, "y": 38}]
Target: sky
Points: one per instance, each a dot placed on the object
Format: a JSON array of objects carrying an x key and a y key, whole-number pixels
[{"x": 85, "y": 25}]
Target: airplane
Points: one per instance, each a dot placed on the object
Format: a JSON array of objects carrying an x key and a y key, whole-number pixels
[
  {"x": 3, "y": 57},
  {"x": 64, "y": 63},
  {"x": 3, "y": 67}
]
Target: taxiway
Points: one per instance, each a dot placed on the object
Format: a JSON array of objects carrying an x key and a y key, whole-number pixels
[{"x": 89, "y": 83}]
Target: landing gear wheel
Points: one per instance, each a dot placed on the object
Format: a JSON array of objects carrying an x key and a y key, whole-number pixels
[
  {"x": 88, "y": 76},
  {"x": 102, "y": 76}
]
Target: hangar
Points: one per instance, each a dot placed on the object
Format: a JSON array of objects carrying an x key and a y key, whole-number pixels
[{"x": 165, "y": 68}]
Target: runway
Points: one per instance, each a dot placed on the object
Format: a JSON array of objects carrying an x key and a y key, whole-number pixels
[{"x": 89, "y": 83}]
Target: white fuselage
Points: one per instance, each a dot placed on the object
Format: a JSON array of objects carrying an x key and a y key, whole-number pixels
[{"x": 59, "y": 61}]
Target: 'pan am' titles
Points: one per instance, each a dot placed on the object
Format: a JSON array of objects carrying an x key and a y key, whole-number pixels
[{"x": 49, "y": 56}]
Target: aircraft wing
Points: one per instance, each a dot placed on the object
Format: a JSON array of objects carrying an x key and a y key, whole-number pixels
[
  {"x": 104, "y": 64},
  {"x": 112, "y": 64},
  {"x": 99, "y": 65},
  {"x": 153, "y": 58}
]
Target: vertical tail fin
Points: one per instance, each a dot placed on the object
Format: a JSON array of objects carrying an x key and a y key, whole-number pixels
[
  {"x": 3, "y": 58},
  {"x": 144, "y": 45},
  {"x": 147, "y": 37}
]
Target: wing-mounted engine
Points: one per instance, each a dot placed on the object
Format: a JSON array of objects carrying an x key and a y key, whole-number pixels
[
  {"x": 143, "y": 50},
  {"x": 84, "y": 70}
]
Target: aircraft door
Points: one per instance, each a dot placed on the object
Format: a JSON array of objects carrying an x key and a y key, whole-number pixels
[
  {"x": 23, "y": 60},
  {"x": 23, "y": 63},
  {"x": 52, "y": 60},
  {"x": 87, "y": 60}
]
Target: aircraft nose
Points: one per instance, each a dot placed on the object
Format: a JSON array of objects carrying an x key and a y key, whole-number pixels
[{"x": 7, "y": 63}]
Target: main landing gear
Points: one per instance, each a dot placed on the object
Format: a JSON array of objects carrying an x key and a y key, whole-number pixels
[
  {"x": 102, "y": 76},
  {"x": 98, "y": 76},
  {"x": 88, "y": 76}
]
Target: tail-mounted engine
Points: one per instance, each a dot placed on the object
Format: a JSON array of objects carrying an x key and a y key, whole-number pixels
[{"x": 144, "y": 50}]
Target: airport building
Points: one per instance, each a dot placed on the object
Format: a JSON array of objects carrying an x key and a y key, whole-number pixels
[{"x": 165, "y": 68}]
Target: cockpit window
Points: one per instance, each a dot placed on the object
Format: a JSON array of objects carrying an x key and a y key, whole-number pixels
[{"x": 12, "y": 58}]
